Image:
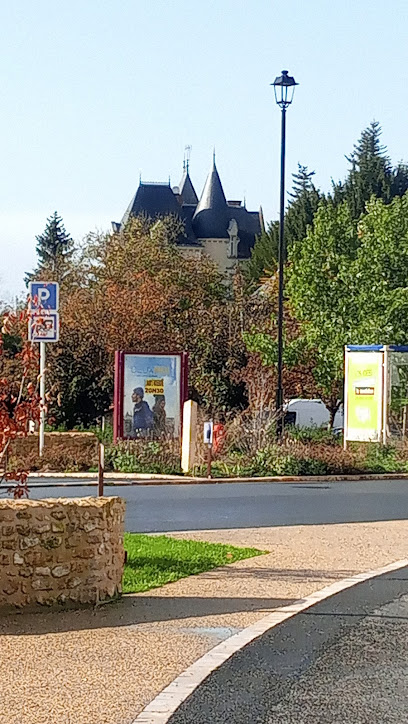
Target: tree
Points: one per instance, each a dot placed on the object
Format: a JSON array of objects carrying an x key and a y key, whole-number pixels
[
  {"x": 55, "y": 248},
  {"x": 299, "y": 215},
  {"x": 137, "y": 290},
  {"x": 381, "y": 269},
  {"x": 303, "y": 205},
  {"x": 19, "y": 401},
  {"x": 371, "y": 173},
  {"x": 298, "y": 362},
  {"x": 348, "y": 284},
  {"x": 322, "y": 294},
  {"x": 320, "y": 313},
  {"x": 264, "y": 255}
]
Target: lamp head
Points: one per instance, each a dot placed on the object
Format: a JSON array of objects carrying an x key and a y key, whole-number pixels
[{"x": 284, "y": 87}]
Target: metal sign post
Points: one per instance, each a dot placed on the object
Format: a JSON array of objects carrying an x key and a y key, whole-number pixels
[
  {"x": 43, "y": 326},
  {"x": 41, "y": 429},
  {"x": 101, "y": 459},
  {"x": 208, "y": 440}
]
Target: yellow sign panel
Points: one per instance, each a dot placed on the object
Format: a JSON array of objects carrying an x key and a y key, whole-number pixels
[
  {"x": 364, "y": 396},
  {"x": 154, "y": 387}
]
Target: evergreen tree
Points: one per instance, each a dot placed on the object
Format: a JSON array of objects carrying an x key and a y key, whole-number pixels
[
  {"x": 302, "y": 208},
  {"x": 264, "y": 255},
  {"x": 304, "y": 202},
  {"x": 371, "y": 174},
  {"x": 55, "y": 248}
]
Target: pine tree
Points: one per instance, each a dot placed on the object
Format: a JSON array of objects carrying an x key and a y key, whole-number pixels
[
  {"x": 304, "y": 203},
  {"x": 264, "y": 255},
  {"x": 302, "y": 182},
  {"x": 55, "y": 248},
  {"x": 302, "y": 208},
  {"x": 371, "y": 174}
]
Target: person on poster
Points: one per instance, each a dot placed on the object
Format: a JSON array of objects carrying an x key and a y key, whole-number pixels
[
  {"x": 159, "y": 415},
  {"x": 142, "y": 414}
]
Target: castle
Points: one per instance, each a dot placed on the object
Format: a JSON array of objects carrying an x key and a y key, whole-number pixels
[{"x": 225, "y": 230}]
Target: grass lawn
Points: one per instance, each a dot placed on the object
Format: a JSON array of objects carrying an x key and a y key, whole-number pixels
[{"x": 153, "y": 561}]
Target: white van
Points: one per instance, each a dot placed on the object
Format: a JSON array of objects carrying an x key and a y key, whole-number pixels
[{"x": 311, "y": 413}]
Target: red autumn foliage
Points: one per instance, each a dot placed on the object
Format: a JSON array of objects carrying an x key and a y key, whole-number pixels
[{"x": 19, "y": 400}]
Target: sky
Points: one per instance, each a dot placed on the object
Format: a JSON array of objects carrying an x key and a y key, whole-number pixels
[{"x": 96, "y": 93}]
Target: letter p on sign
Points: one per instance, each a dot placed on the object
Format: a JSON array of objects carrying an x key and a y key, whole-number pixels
[{"x": 44, "y": 296}]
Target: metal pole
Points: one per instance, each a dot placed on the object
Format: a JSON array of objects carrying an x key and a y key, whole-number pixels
[
  {"x": 101, "y": 468},
  {"x": 101, "y": 461},
  {"x": 42, "y": 399},
  {"x": 209, "y": 460},
  {"x": 385, "y": 393},
  {"x": 279, "y": 387},
  {"x": 345, "y": 399}
]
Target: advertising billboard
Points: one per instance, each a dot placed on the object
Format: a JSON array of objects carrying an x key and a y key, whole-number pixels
[
  {"x": 150, "y": 390},
  {"x": 364, "y": 396}
]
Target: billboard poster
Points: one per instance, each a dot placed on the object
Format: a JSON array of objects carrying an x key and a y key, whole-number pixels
[
  {"x": 150, "y": 390},
  {"x": 364, "y": 390}
]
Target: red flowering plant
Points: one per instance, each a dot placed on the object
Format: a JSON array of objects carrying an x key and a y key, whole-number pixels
[{"x": 19, "y": 399}]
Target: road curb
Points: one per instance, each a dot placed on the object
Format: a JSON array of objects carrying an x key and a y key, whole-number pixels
[
  {"x": 163, "y": 706},
  {"x": 145, "y": 479}
]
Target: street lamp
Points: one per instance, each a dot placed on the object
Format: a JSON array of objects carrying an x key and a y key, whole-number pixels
[{"x": 284, "y": 87}]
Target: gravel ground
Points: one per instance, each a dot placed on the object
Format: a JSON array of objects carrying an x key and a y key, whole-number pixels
[{"x": 95, "y": 667}]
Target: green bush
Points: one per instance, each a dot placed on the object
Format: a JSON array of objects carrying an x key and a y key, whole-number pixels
[
  {"x": 383, "y": 459},
  {"x": 270, "y": 461},
  {"x": 312, "y": 434},
  {"x": 144, "y": 456}
]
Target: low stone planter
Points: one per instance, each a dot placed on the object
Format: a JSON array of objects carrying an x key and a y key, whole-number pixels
[{"x": 62, "y": 552}]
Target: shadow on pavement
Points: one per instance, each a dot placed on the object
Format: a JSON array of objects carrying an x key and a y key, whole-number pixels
[
  {"x": 281, "y": 574},
  {"x": 132, "y": 610}
]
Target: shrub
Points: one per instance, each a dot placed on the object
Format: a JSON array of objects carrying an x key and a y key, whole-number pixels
[
  {"x": 274, "y": 460},
  {"x": 312, "y": 434},
  {"x": 387, "y": 459},
  {"x": 144, "y": 456}
]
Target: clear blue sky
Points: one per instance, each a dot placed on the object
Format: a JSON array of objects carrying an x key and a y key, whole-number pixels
[{"x": 95, "y": 92}]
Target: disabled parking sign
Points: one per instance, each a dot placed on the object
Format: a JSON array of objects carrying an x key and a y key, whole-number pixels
[{"x": 43, "y": 327}]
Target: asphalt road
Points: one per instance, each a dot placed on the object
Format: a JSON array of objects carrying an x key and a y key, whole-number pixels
[
  {"x": 247, "y": 505},
  {"x": 343, "y": 660}
]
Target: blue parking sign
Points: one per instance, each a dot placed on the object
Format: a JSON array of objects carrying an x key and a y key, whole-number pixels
[{"x": 44, "y": 296}]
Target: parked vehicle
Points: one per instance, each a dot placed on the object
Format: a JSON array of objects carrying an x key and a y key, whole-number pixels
[{"x": 311, "y": 413}]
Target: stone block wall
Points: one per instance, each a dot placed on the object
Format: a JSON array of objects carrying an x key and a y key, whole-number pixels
[{"x": 64, "y": 551}]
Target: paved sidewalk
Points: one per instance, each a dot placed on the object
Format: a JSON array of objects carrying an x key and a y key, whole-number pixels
[{"x": 103, "y": 667}]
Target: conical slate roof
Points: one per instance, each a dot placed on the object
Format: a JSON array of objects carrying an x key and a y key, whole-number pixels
[
  {"x": 210, "y": 220},
  {"x": 207, "y": 219},
  {"x": 186, "y": 189}
]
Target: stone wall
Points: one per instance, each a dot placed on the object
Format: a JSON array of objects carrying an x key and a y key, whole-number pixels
[{"x": 66, "y": 551}]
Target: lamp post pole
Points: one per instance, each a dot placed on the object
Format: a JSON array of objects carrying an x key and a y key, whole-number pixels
[
  {"x": 284, "y": 97},
  {"x": 281, "y": 261}
]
